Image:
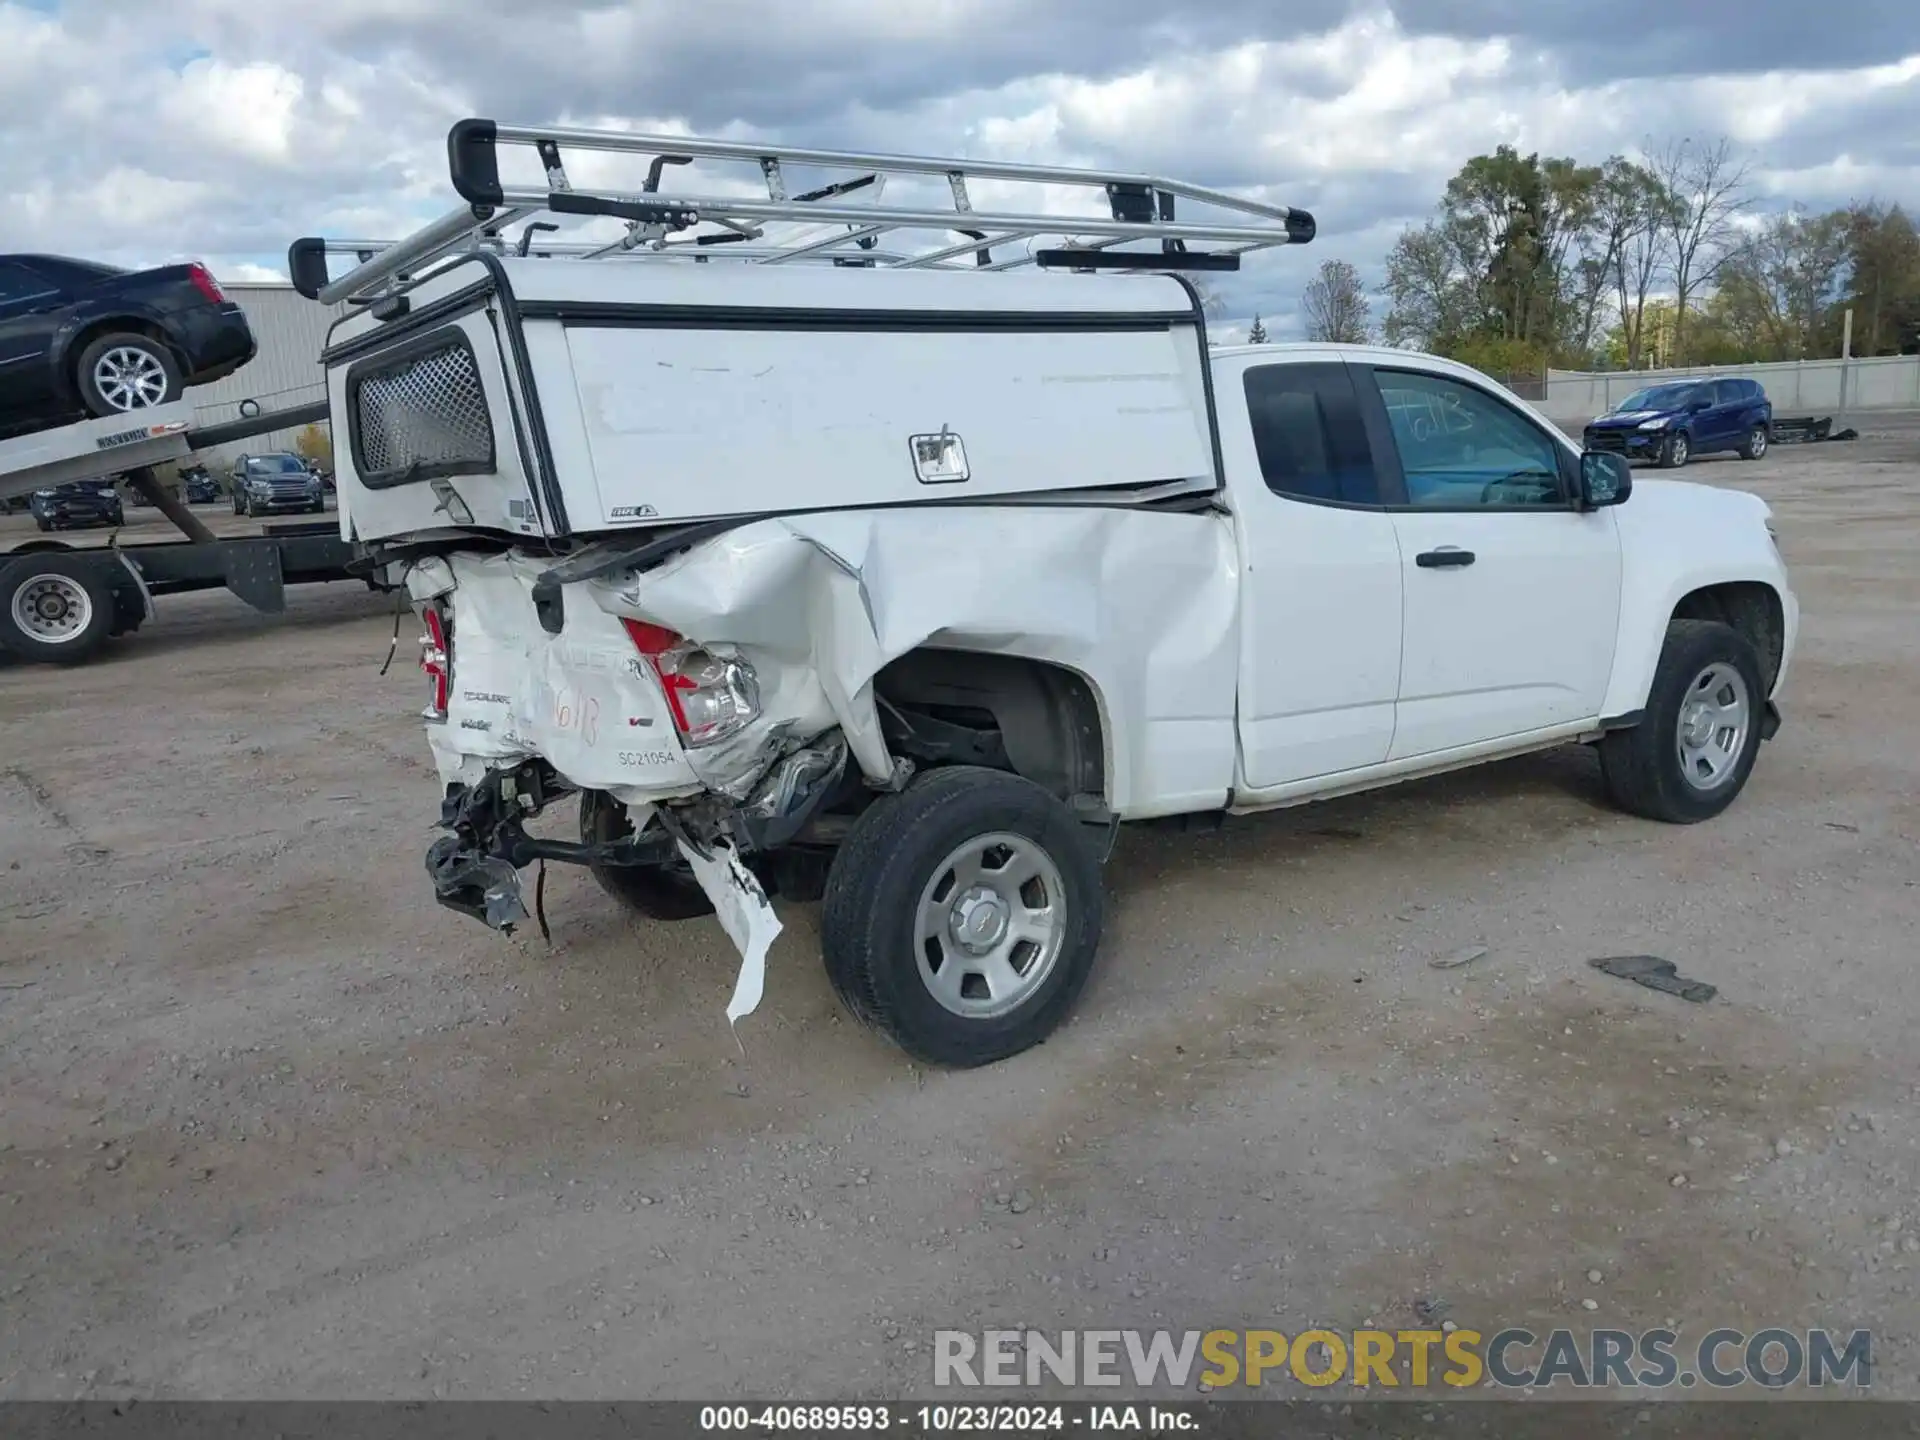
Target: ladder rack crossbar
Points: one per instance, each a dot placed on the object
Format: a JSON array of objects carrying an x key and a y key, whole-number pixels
[{"x": 663, "y": 223}]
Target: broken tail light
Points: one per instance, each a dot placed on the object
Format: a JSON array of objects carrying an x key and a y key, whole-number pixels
[
  {"x": 708, "y": 697},
  {"x": 436, "y": 657}
]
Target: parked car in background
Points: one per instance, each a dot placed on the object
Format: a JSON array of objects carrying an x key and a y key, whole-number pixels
[
  {"x": 80, "y": 339},
  {"x": 77, "y": 506},
  {"x": 1672, "y": 423},
  {"x": 275, "y": 483},
  {"x": 197, "y": 487}
]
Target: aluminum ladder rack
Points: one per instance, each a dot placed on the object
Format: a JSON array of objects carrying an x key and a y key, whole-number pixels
[{"x": 842, "y": 222}]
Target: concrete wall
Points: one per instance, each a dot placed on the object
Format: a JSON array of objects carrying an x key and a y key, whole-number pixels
[
  {"x": 292, "y": 330},
  {"x": 1796, "y": 387}
]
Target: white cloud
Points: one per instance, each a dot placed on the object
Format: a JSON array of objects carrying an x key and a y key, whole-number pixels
[{"x": 226, "y": 128}]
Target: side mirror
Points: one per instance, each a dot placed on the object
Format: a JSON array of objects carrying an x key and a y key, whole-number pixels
[
  {"x": 1605, "y": 479},
  {"x": 1696, "y": 405}
]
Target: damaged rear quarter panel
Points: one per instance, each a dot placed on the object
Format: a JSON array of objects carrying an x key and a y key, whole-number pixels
[
  {"x": 582, "y": 699},
  {"x": 1142, "y": 604}
]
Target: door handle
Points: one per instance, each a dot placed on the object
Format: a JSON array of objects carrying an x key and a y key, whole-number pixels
[{"x": 1445, "y": 556}]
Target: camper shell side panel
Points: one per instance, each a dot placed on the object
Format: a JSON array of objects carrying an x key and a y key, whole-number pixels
[{"x": 630, "y": 394}]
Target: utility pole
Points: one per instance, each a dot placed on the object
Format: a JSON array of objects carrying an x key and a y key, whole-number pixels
[{"x": 1846, "y": 362}]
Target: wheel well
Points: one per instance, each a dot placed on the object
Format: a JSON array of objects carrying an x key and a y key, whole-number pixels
[
  {"x": 1039, "y": 720},
  {"x": 117, "y": 325},
  {"x": 1750, "y": 606}
]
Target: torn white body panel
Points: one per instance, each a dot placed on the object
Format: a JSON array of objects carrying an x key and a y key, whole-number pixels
[
  {"x": 582, "y": 700},
  {"x": 744, "y": 914},
  {"x": 1143, "y": 605}
]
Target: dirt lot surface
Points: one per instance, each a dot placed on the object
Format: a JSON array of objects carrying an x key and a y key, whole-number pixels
[{"x": 274, "y": 1124}]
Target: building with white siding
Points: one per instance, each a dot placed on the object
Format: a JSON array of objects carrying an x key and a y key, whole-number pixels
[{"x": 291, "y": 330}]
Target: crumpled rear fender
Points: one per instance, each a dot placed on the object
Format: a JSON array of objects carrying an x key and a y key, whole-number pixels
[{"x": 1143, "y": 605}]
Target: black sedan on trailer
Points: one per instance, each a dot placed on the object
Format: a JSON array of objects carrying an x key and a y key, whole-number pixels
[{"x": 79, "y": 338}]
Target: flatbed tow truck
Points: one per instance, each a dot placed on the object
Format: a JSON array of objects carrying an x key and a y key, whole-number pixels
[{"x": 60, "y": 603}]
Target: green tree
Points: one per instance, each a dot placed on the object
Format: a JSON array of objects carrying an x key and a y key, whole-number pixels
[
  {"x": 1883, "y": 277},
  {"x": 1509, "y": 257},
  {"x": 315, "y": 442},
  {"x": 1258, "y": 334},
  {"x": 1776, "y": 291}
]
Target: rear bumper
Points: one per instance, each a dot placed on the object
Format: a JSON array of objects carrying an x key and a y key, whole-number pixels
[{"x": 214, "y": 340}]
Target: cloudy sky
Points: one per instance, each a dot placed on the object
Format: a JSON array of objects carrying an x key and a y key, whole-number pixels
[{"x": 225, "y": 128}]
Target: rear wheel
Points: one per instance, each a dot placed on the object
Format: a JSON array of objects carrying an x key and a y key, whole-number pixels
[
  {"x": 55, "y": 608},
  {"x": 659, "y": 892},
  {"x": 1677, "y": 450},
  {"x": 962, "y": 916},
  {"x": 1755, "y": 445},
  {"x": 1690, "y": 755},
  {"x": 124, "y": 372}
]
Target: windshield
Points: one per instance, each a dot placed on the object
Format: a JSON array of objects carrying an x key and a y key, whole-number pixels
[
  {"x": 276, "y": 465},
  {"x": 1659, "y": 397}
]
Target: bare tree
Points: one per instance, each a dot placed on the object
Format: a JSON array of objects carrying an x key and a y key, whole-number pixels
[
  {"x": 1706, "y": 186},
  {"x": 1631, "y": 218},
  {"x": 1336, "y": 305}
]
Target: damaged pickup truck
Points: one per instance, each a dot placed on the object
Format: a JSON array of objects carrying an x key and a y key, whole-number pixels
[{"x": 900, "y": 578}]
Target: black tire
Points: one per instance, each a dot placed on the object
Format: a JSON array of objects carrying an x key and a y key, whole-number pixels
[
  {"x": 1755, "y": 445},
  {"x": 898, "y": 849},
  {"x": 1643, "y": 767},
  {"x": 43, "y": 583},
  {"x": 46, "y": 525},
  {"x": 1676, "y": 450},
  {"x": 155, "y": 364},
  {"x": 659, "y": 892}
]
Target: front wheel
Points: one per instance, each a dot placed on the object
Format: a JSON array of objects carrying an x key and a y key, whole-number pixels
[
  {"x": 1691, "y": 753},
  {"x": 1677, "y": 450},
  {"x": 962, "y": 916},
  {"x": 1755, "y": 445}
]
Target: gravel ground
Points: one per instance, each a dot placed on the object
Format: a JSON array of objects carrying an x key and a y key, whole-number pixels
[{"x": 274, "y": 1124}]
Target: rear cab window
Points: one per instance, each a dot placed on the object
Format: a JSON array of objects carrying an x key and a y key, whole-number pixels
[{"x": 1309, "y": 435}]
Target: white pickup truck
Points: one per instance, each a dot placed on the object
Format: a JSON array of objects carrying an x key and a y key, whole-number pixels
[{"x": 906, "y": 578}]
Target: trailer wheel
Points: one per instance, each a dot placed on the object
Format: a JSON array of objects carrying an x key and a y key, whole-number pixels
[
  {"x": 55, "y": 608},
  {"x": 962, "y": 916}
]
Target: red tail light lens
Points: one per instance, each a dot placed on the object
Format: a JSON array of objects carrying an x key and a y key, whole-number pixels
[
  {"x": 204, "y": 282},
  {"x": 709, "y": 698},
  {"x": 436, "y": 658}
]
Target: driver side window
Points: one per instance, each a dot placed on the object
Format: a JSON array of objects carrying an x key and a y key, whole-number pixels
[{"x": 1462, "y": 449}]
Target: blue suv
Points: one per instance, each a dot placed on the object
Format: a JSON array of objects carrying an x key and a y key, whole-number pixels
[{"x": 1672, "y": 423}]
